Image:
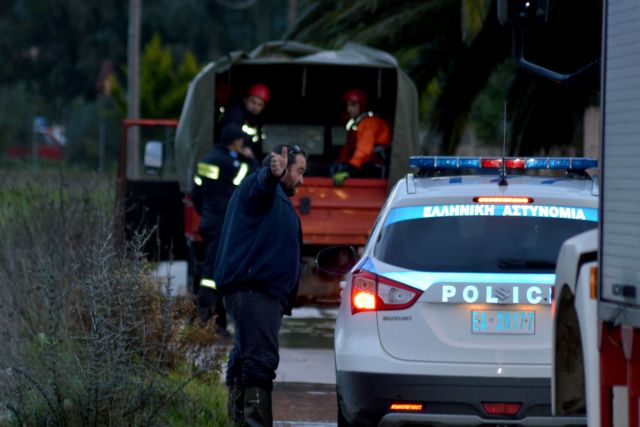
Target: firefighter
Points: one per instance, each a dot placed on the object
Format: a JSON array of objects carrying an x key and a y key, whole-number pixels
[
  {"x": 247, "y": 115},
  {"x": 218, "y": 174},
  {"x": 366, "y": 150}
]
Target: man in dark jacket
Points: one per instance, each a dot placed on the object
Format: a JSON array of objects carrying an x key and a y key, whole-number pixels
[
  {"x": 218, "y": 174},
  {"x": 257, "y": 272}
]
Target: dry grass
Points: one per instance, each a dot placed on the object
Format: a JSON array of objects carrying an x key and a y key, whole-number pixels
[{"x": 88, "y": 338}]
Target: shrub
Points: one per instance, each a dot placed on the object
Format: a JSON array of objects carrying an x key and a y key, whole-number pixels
[{"x": 89, "y": 336}]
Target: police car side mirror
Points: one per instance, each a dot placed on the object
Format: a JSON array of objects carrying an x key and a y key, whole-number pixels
[
  {"x": 336, "y": 260},
  {"x": 153, "y": 152}
]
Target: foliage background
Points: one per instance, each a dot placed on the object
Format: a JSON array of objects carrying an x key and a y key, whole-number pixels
[
  {"x": 460, "y": 57},
  {"x": 56, "y": 54}
]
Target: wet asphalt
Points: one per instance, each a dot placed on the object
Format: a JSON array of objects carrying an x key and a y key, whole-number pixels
[{"x": 304, "y": 389}]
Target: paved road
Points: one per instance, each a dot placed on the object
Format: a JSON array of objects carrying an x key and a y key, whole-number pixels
[{"x": 304, "y": 391}]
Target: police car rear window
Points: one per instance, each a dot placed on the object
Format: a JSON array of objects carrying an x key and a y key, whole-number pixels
[{"x": 477, "y": 243}]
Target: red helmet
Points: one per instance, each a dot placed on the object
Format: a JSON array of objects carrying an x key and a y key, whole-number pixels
[
  {"x": 356, "y": 95},
  {"x": 260, "y": 91}
]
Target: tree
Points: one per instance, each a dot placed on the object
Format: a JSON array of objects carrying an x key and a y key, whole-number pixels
[
  {"x": 163, "y": 87},
  {"x": 452, "y": 49},
  {"x": 54, "y": 54},
  {"x": 58, "y": 48}
]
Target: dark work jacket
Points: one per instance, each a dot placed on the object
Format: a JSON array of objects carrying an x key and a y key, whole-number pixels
[
  {"x": 216, "y": 174},
  {"x": 250, "y": 124},
  {"x": 260, "y": 246}
]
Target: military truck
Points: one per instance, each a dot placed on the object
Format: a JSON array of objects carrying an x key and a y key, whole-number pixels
[{"x": 306, "y": 108}]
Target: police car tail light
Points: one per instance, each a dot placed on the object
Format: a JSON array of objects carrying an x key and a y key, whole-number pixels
[
  {"x": 370, "y": 292},
  {"x": 395, "y": 296},
  {"x": 500, "y": 408},
  {"x": 507, "y": 200},
  {"x": 363, "y": 292}
]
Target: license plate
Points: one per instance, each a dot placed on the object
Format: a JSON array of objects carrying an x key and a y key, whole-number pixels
[{"x": 503, "y": 322}]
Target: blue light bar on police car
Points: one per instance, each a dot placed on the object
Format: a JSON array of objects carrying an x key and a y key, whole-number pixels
[{"x": 457, "y": 162}]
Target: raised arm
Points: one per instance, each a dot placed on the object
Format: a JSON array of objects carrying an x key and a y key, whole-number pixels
[{"x": 267, "y": 180}]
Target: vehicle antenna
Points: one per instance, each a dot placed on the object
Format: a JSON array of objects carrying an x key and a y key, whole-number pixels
[{"x": 503, "y": 168}]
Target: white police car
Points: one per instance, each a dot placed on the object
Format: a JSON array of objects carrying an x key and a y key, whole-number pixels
[{"x": 445, "y": 318}]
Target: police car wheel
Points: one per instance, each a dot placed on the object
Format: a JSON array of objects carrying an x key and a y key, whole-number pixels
[{"x": 342, "y": 421}]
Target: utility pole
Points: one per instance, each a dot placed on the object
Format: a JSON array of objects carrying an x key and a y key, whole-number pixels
[
  {"x": 133, "y": 82},
  {"x": 291, "y": 15}
]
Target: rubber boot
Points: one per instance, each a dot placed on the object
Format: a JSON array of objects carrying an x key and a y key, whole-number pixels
[
  {"x": 235, "y": 403},
  {"x": 257, "y": 407}
]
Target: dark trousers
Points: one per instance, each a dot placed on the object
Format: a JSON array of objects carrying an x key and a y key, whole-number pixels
[
  {"x": 210, "y": 303},
  {"x": 254, "y": 357}
]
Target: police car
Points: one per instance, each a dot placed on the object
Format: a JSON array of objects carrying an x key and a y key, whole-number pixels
[{"x": 446, "y": 317}]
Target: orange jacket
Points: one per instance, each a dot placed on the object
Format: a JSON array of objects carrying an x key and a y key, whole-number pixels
[{"x": 362, "y": 137}]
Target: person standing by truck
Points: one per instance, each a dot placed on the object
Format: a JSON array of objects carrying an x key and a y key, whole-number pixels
[
  {"x": 257, "y": 273},
  {"x": 218, "y": 174},
  {"x": 365, "y": 152},
  {"x": 248, "y": 115}
]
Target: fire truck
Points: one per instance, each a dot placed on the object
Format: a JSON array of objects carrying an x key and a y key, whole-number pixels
[
  {"x": 596, "y": 307},
  {"x": 606, "y": 264},
  {"x": 306, "y": 108}
]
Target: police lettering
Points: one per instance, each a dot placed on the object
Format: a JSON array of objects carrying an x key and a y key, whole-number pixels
[
  {"x": 544, "y": 211},
  {"x": 490, "y": 294},
  {"x": 504, "y": 210},
  {"x": 459, "y": 210}
]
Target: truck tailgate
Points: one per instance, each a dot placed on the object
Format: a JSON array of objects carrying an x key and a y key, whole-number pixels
[{"x": 333, "y": 215}]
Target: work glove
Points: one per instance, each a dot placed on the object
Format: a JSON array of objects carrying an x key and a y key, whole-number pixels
[
  {"x": 340, "y": 177},
  {"x": 206, "y": 303}
]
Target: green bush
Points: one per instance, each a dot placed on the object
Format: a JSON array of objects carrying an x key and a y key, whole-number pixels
[{"x": 89, "y": 336}]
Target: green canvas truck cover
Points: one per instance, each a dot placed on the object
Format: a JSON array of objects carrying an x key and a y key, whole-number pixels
[{"x": 195, "y": 131}]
